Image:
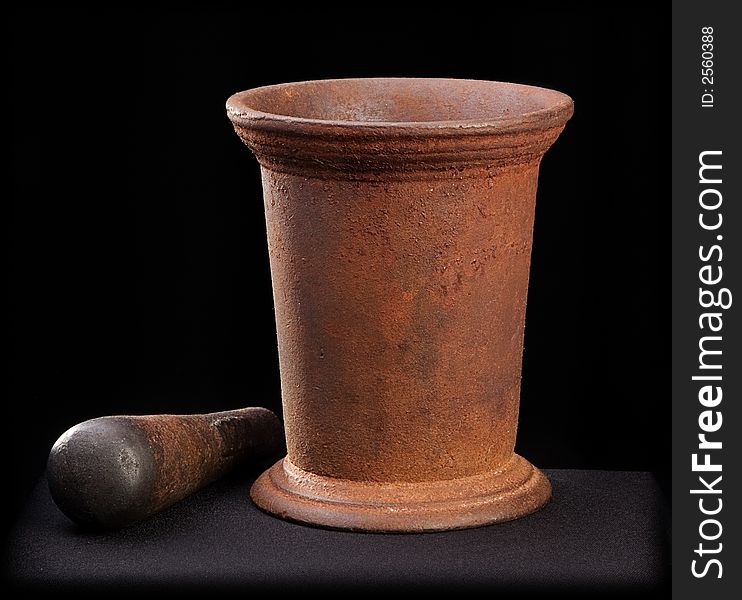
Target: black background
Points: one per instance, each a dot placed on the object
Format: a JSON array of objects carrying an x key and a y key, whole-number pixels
[{"x": 138, "y": 270}]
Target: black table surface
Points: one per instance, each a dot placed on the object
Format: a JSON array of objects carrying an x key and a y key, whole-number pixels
[{"x": 603, "y": 531}]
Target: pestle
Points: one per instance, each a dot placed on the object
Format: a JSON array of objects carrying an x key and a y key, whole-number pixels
[{"x": 111, "y": 472}]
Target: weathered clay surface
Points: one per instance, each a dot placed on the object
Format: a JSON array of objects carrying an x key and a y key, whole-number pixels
[
  {"x": 115, "y": 471},
  {"x": 399, "y": 216}
]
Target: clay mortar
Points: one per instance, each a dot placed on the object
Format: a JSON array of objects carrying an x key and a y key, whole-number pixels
[{"x": 399, "y": 216}]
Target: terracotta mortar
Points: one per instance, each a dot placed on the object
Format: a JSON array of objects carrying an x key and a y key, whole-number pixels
[{"x": 399, "y": 215}]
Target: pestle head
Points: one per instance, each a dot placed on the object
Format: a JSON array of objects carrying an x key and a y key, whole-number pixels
[{"x": 103, "y": 472}]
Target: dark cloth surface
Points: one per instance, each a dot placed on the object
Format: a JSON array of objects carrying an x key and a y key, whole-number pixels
[{"x": 602, "y": 532}]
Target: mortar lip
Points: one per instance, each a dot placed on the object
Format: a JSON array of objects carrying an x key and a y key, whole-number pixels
[{"x": 557, "y": 111}]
